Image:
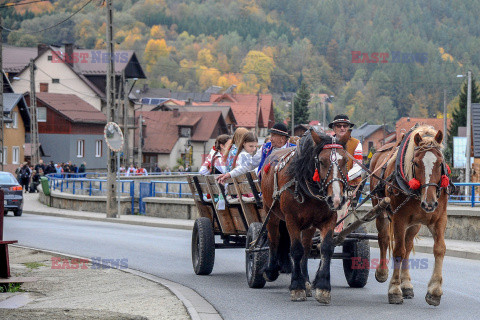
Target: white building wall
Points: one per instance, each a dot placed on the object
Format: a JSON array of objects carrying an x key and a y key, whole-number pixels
[{"x": 69, "y": 81}]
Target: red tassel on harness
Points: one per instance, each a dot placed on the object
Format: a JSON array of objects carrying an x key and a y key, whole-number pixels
[
  {"x": 414, "y": 184},
  {"x": 448, "y": 169},
  {"x": 267, "y": 167},
  {"x": 444, "y": 182},
  {"x": 316, "y": 176}
]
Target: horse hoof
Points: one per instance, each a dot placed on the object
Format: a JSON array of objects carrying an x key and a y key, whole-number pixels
[
  {"x": 381, "y": 276},
  {"x": 298, "y": 295},
  {"x": 432, "y": 300},
  {"x": 323, "y": 296},
  {"x": 407, "y": 293},
  {"x": 395, "y": 298},
  {"x": 308, "y": 289},
  {"x": 270, "y": 276}
]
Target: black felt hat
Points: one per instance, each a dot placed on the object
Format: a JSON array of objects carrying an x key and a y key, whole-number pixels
[
  {"x": 341, "y": 118},
  {"x": 280, "y": 128}
]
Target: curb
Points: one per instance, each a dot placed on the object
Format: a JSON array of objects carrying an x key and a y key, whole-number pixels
[
  {"x": 419, "y": 248},
  {"x": 198, "y": 308},
  {"x": 449, "y": 252},
  {"x": 113, "y": 220}
]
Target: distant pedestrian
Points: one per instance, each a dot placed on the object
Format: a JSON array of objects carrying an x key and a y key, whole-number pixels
[
  {"x": 141, "y": 172},
  {"x": 25, "y": 174},
  {"x": 131, "y": 171}
]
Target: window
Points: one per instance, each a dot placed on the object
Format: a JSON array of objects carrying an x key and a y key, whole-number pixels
[
  {"x": 41, "y": 114},
  {"x": 14, "y": 123},
  {"x": 185, "y": 132},
  {"x": 5, "y": 155},
  {"x": 55, "y": 80},
  {"x": 43, "y": 87},
  {"x": 49, "y": 58},
  {"x": 80, "y": 148},
  {"x": 98, "y": 148},
  {"x": 370, "y": 145},
  {"x": 15, "y": 155}
]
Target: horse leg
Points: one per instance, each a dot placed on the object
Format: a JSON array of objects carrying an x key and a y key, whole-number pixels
[
  {"x": 297, "y": 285},
  {"x": 322, "y": 278},
  {"x": 271, "y": 271},
  {"x": 381, "y": 274},
  {"x": 394, "y": 291},
  {"x": 434, "y": 292},
  {"x": 406, "y": 286},
  {"x": 307, "y": 240},
  {"x": 283, "y": 252}
]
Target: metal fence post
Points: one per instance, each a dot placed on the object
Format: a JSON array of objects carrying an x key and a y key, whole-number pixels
[
  {"x": 180, "y": 189},
  {"x": 132, "y": 195},
  {"x": 472, "y": 195}
]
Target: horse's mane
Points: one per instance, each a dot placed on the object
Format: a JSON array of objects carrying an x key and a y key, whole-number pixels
[
  {"x": 428, "y": 141},
  {"x": 302, "y": 166}
]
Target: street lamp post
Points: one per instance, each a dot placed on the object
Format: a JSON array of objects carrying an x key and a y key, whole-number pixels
[{"x": 469, "y": 127}]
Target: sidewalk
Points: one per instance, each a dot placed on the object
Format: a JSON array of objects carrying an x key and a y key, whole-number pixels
[
  {"x": 83, "y": 292},
  {"x": 455, "y": 248}
]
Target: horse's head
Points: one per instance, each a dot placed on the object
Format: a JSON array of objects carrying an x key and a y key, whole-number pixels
[
  {"x": 331, "y": 169},
  {"x": 427, "y": 168}
]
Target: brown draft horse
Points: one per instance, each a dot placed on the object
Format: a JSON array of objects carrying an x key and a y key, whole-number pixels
[
  {"x": 309, "y": 189},
  {"x": 424, "y": 169}
]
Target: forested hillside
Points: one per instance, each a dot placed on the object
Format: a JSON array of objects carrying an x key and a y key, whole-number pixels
[{"x": 274, "y": 45}]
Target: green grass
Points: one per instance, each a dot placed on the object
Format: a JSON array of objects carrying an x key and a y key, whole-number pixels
[
  {"x": 11, "y": 287},
  {"x": 34, "y": 265}
]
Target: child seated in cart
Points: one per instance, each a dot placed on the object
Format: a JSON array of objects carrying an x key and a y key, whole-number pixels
[{"x": 243, "y": 161}]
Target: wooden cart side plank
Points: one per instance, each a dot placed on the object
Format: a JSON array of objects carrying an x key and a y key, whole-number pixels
[
  {"x": 224, "y": 217},
  {"x": 249, "y": 209}
]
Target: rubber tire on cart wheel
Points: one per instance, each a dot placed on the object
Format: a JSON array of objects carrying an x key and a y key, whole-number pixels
[
  {"x": 17, "y": 213},
  {"x": 203, "y": 246},
  {"x": 255, "y": 261},
  {"x": 357, "y": 278}
]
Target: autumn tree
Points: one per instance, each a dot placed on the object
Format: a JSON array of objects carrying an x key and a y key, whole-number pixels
[{"x": 260, "y": 65}]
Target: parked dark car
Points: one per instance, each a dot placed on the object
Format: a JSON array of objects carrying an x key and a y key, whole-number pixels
[{"x": 13, "y": 200}]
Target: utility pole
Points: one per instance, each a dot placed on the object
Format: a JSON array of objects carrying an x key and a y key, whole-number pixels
[
  {"x": 125, "y": 120},
  {"x": 258, "y": 110},
  {"x": 1, "y": 95},
  {"x": 444, "y": 116},
  {"x": 293, "y": 114},
  {"x": 33, "y": 117},
  {"x": 111, "y": 166},
  {"x": 140, "y": 141},
  {"x": 469, "y": 130},
  {"x": 324, "y": 114}
]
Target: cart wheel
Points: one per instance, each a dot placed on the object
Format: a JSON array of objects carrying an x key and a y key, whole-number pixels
[
  {"x": 255, "y": 261},
  {"x": 203, "y": 246},
  {"x": 356, "y": 278}
]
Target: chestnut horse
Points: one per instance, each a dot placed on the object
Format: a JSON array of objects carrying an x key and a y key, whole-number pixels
[
  {"x": 304, "y": 186},
  {"x": 419, "y": 164}
]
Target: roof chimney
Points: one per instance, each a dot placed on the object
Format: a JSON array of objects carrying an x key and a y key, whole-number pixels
[
  {"x": 408, "y": 119},
  {"x": 188, "y": 102},
  {"x": 176, "y": 114},
  {"x": 69, "y": 53},
  {"x": 41, "y": 48},
  {"x": 145, "y": 87}
]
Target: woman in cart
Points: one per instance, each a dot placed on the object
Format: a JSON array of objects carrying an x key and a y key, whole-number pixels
[{"x": 214, "y": 162}]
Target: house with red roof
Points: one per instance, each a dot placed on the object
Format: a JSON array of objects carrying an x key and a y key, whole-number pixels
[
  {"x": 244, "y": 107},
  {"x": 170, "y": 135},
  {"x": 404, "y": 124},
  {"x": 70, "y": 129}
]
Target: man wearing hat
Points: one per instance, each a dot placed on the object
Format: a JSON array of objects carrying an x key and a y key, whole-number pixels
[
  {"x": 342, "y": 126},
  {"x": 279, "y": 140}
]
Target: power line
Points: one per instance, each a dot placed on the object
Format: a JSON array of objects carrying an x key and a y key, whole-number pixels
[
  {"x": 48, "y": 28},
  {"x": 15, "y": 4}
]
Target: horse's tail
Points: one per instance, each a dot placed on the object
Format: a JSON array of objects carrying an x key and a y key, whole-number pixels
[{"x": 284, "y": 260}]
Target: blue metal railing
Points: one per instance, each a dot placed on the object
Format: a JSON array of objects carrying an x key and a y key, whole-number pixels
[
  {"x": 71, "y": 183},
  {"x": 472, "y": 199}
]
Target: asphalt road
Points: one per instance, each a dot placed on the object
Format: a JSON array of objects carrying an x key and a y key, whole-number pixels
[{"x": 166, "y": 253}]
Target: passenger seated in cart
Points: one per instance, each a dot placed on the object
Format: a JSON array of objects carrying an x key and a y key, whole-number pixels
[
  {"x": 243, "y": 160},
  {"x": 278, "y": 140},
  {"x": 342, "y": 127},
  {"x": 214, "y": 163},
  {"x": 231, "y": 151}
]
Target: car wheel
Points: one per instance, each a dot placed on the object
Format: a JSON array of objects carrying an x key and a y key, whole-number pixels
[{"x": 18, "y": 213}]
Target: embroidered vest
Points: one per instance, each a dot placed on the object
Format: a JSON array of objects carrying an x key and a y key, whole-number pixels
[{"x": 352, "y": 144}]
